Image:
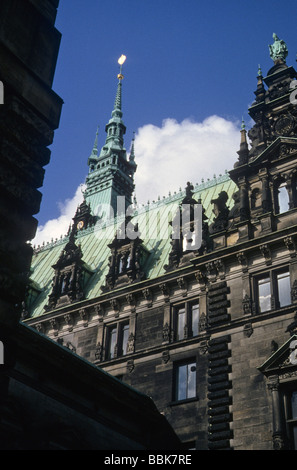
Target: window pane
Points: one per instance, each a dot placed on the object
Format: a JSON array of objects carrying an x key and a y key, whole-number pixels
[
  {"x": 284, "y": 289},
  {"x": 195, "y": 319},
  {"x": 181, "y": 321},
  {"x": 125, "y": 336},
  {"x": 295, "y": 437},
  {"x": 112, "y": 342},
  {"x": 283, "y": 198},
  {"x": 191, "y": 380},
  {"x": 264, "y": 292},
  {"x": 294, "y": 405},
  {"x": 182, "y": 383},
  {"x": 186, "y": 381}
]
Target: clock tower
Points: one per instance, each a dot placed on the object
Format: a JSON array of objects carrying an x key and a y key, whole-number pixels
[{"x": 110, "y": 171}]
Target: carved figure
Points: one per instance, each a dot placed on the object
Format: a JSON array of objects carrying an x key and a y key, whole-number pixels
[{"x": 221, "y": 212}]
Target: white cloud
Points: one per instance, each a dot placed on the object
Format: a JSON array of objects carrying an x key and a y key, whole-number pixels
[
  {"x": 54, "y": 228},
  {"x": 170, "y": 156},
  {"x": 167, "y": 158}
]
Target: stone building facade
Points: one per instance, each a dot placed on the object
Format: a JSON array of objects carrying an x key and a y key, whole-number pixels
[
  {"x": 50, "y": 398},
  {"x": 207, "y": 329}
]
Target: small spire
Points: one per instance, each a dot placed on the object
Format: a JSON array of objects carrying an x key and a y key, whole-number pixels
[
  {"x": 132, "y": 153},
  {"x": 259, "y": 71},
  {"x": 95, "y": 146},
  {"x": 243, "y": 151}
]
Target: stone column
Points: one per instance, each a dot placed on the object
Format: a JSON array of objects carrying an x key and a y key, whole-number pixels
[{"x": 277, "y": 434}]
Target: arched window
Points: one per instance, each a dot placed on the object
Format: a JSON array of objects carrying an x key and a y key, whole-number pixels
[{"x": 282, "y": 198}]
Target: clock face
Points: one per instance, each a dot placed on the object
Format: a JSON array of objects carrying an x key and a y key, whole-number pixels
[
  {"x": 80, "y": 225},
  {"x": 284, "y": 125}
]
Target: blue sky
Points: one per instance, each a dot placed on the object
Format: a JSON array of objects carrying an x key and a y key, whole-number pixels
[{"x": 189, "y": 78}]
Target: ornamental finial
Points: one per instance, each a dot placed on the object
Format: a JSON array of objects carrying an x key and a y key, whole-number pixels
[
  {"x": 121, "y": 61},
  {"x": 278, "y": 50}
]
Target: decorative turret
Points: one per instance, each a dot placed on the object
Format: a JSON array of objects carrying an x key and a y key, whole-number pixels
[
  {"x": 110, "y": 172},
  {"x": 243, "y": 151},
  {"x": 265, "y": 172},
  {"x": 93, "y": 158}
]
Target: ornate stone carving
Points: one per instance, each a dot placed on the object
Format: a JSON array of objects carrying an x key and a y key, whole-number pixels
[
  {"x": 246, "y": 305},
  {"x": 127, "y": 257},
  {"x": 182, "y": 285},
  {"x": 69, "y": 321},
  {"x": 203, "y": 347},
  {"x": 68, "y": 281},
  {"x": 84, "y": 316},
  {"x": 147, "y": 294},
  {"x": 165, "y": 291},
  {"x": 99, "y": 312},
  {"x": 294, "y": 291},
  {"x": 115, "y": 306},
  {"x": 201, "y": 278},
  {"x": 290, "y": 244},
  {"x": 221, "y": 213},
  {"x": 202, "y": 322},
  {"x": 131, "y": 343},
  {"x": 185, "y": 225},
  {"x": 130, "y": 365},
  {"x": 165, "y": 356},
  {"x": 99, "y": 352},
  {"x": 265, "y": 250},
  {"x": 243, "y": 261},
  {"x": 54, "y": 326},
  {"x": 166, "y": 333},
  {"x": 248, "y": 330},
  {"x": 131, "y": 301},
  {"x": 40, "y": 327}
]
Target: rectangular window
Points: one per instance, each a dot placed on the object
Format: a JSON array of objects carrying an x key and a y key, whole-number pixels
[
  {"x": 186, "y": 320},
  {"x": 112, "y": 341},
  {"x": 124, "y": 337},
  {"x": 264, "y": 294},
  {"x": 117, "y": 340},
  {"x": 194, "y": 315},
  {"x": 290, "y": 402},
  {"x": 185, "y": 377},
  {"x": 284, "y": 288},
  {"x": 273, "y": 290},
  {"x": 181, "y": 323}
]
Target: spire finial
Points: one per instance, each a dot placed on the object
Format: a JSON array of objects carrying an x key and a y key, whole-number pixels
[
  {"x": 121, "y": 61},
  {"x": 259, "y": 71}
]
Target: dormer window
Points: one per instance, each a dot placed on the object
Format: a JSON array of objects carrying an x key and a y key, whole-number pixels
[{"x": 127, "y": 257}]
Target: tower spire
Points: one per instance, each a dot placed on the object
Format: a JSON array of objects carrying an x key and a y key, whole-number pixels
[
  {"x": 110, "y": 172},
  {"x": 94, "y": 155}
]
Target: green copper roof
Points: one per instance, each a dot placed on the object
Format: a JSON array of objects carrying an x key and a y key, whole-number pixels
[{"x": 94, "y": 241}]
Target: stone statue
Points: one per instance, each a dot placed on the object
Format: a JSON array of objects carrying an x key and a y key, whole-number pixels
[
  {"x": 221, "y": 213},
  {"x": 278, "y": 50}
]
